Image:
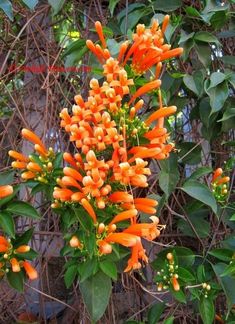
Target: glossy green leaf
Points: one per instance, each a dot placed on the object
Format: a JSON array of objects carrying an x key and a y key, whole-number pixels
[
  {"x": 96, "y": 293},
  {"x": 185, "y": 275},
  {"x": 204, "y": 36},
  {"x": 109, "y": 268},
  {"x": 200, "y": 172},
  {"x": 222, "y": 254},
  {"x": 167, "y": 6},
  {"x": 6, "y": 177},
  {"x": 229, "y": 113},
  {"x": 207, "y": 310},
  {"x": 56, "y": 5},
  {"x": 229, "y": 270},
  {"x": 200, "y": 192},
  {"x": 155, "y": 313},
  {"x": 7, "y": 223},
  {"x": 23, "y": 239},
  {"x": 227, "y": 282},
  {"x": 112, "y": 5},
  {"x": 204, "y": 53},
  {"x": 70, "y": 275},
  {"x": 218, "y": 96},
  {"x": 216, "y": 78},
  {"x": 87, "y": 269},
  {"x": 189, "y": 153},
  {"x": 23, "y": 209},
  {"x": 179, "y": 296},
  {"x": 169, "y": 320},
  {"x": 30, "y": 3},
  {"x": 6, "y": 6},
  {"x": 16, "y": 280}
]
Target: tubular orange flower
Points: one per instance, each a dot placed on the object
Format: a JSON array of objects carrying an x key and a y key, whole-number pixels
[
  {"x": 3, "y": 248},
  {"x": 145, "y": 88},
  {"x": 30, "y": 136},
  {"x": 217, "y": 173},
  {"x": 70, "y": 182},
  {"x": 145, "y": 209},
  {"x": 72, "y": 173},
  {"x": 62, "y": 194},
  {"x": 120, "y": 196},
  {"x": 99, "y": 31},
  {"x": 30, "y": 270},
  {"x": 34, "y": 167},
  {"x": 5, "y": 191},
  {"x": 124, "y": 239},
  {"x": 147, "y": 230},
  {"x": 23, "y": 249},
  {"x": 3, "y": 240},
  {"x": 162, "y": 112},
  {"x": 128, "y": 214},
  {"x": 172, "y": 53},
  {"x": 222, "y": 180},
  {"x": 104, "y": 247},
  {"x": 15, "y": 265},
  {"x": 175, "y": 283},
  {"x": 87, "y": 206},
  {"x": 146, "y": 201},
  {"x": 41, "y": 150},
  {"x": 19, "y": 165},
  {"x": 18, "y": 156}
]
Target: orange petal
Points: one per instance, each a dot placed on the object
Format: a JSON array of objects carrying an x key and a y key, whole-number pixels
[
  {"x": 124, "y": 239},
  {"x": 99, "y": 31},
  {"x": 5, "y": 191},
  {"x": 223, "y": 180},
  {"x": 15, "y": 265},
  {"x": 19, "y": 165},
  {"x": 162, "y": 112},
  {"x": 218, "y": 172},
  {"x": 172, "y": 53},
  {"x": 146, "y": 201},
  {"x": 23, "y": 249},
  {"x": 30, "y": 271},
  {"x": 120, "y": 196},
  {"x": 62, "y": 194},
  {"x": 34, "y": 167},
  {"x": 146, "y": 88},
  {"x": 30, "y": 136},
  {"x": 87, "y": 206},
  {"x": 124, "y": 215},
  {"x": 165, "y": 23},
  {"x": 73, "y": 173},
  {"x": 18, "y": 156}
]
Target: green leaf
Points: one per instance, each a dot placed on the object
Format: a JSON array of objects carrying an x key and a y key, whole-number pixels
[
  {"x": 232, "y": 218},
  {"x": 194, "y": 82},
  {"x": 200, "y": 192},
  {"x": 87, "y": 269},
  {"x": 7, "y": 223},
  {"x": 222, "y": 254},
  {"x": 166, "y": 6},
  {"x": 169, "y": 320},
  {"x": 30, "y": 3},
  {"x": 31, "y": 255},
  {"x": 191, "y": 11},
  {"x": 185, "y": 275},
  {"x": 23, "y": 239},
  {"x": 109, "y": 268},
  {"x": 58, "y": 160},
  {"x": 56, "y": 5},
  {"x": 75, "y": 46},
  {"x": 228, "y": 59},
  {"x": 6, "y": 6},
  {"x": 70, "y": 275},
  {"x": 216, "y": 78},
  {"x": 96, "y": 292},
  {"x": 179, "y": 295},
  {"x": 227, "y": 282},
  {"x": 200, "y": 172},
  {"x": 230, "y": 270},
  {"x": 229, "y": 113},
  {"x": 207, "y": 310},
  {"x": 6, "y": 177},
  {"x": 23, "y": 209},
  {"x": 200, "y": 224},
  {"x": 16, "y": 280},
  {"x": 206, "y": 37},
  {"x": 169, "y": 174},
  {"x": 112, "y": 5},
  {"x": 155, "y": 313},
  {"x": 218, "y": 96},
  {"x": 204, "y": 53}
]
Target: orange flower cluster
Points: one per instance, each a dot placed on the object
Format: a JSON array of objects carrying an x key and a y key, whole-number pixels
[
  {"x": 219, "y": 185},
  {"x": 5, "y": 191},
  {"x": 108, "y": 133},
  {"x": 10, "y": 257},
  {"x": 36, "y": 167}
]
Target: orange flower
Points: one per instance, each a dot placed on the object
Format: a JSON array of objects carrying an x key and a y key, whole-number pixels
[
  {"x": 138, "y": 252},
  {"x": 30, "y": 136},
  {"x": 75, "y": 243},
  {"x": 15, "y": 265},
  {"x": 34, "y": 167},
  {"x": 145, "y": 88},
  {"x": 120, "y": 196},
  {"x": 124, "y": 239},
  {"x": 217, "y": 173},
  {"x": 30, "y": 270},
  {"x": 72, "y": 173},
  {"x": 4, "y": 244},
  {"x": 104, "y": 247},
  {"x": 128, "y": 214},
  {"x": 87, "y": 206},
  {"x": 23, "y": 249},
  {"x": 148, "y": 231},
  {"x": 19, "y": 165},
  {"x": 62, "y": 194},
  {"x": 99, "y": 31},
  {"x": 70, "y": 182},
  {"x": 5, "y": 191},
  {"x": 18, "y": 156},
  {"x": 162, "y": 112},
  {"x": 175, "y": 283}
]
